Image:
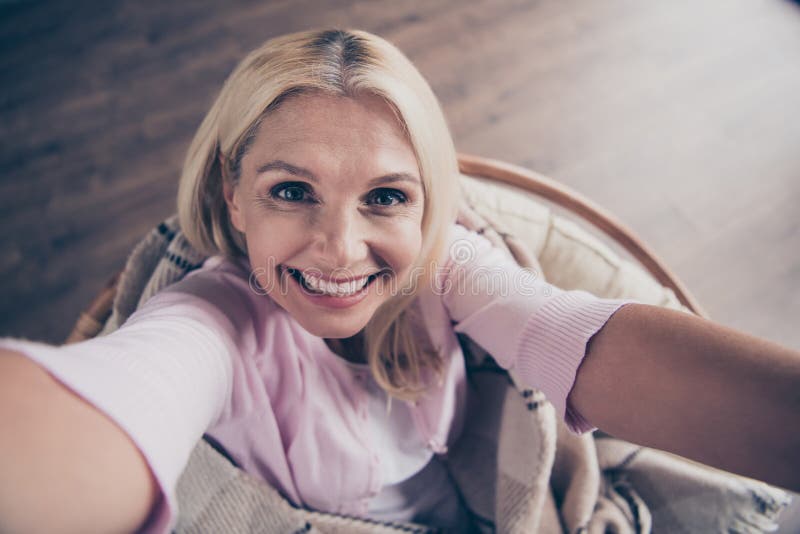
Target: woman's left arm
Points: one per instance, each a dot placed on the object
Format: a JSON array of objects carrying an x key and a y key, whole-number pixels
[{"x": 683, "y": 384}]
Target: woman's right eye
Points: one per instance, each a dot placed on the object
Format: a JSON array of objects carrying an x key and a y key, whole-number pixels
[{"x": 290, "y": 192}]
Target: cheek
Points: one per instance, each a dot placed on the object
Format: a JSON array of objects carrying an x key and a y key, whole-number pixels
[
  {"x": 270, "y": 241},
  {"x": 402, "y": 244}
]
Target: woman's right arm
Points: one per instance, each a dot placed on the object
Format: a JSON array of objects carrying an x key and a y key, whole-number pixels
[
  {"x": 95, "y": 435},
  {"x": 61, "y": 457}
]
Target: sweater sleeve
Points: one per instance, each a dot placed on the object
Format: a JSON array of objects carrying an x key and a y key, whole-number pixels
[
  {"x": 164, "y": 377},
  {"x": 534, "y": 328}
]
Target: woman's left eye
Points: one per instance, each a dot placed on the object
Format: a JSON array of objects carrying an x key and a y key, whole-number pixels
[{"x": 387, "y": 197}]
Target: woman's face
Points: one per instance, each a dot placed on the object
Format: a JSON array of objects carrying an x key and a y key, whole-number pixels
[{"x": 330, "y": 201}]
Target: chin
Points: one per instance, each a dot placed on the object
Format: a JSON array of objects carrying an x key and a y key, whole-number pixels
[{"x": 334, "y": 332}]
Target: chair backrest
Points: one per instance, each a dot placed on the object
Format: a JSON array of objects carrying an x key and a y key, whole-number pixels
[{"x": 551, "y": 217}]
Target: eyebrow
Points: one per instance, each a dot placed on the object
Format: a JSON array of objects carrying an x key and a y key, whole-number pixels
[{"x": 280, "y": 165}]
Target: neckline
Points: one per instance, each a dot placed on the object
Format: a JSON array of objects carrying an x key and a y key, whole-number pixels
[
  {"x": 329, "y": 354},
  {"x": 354, "y": 365},
  {"x": 346, "y": 347}
]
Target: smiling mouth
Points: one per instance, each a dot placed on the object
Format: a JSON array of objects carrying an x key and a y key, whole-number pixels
[{"x": 321, "y": 287}]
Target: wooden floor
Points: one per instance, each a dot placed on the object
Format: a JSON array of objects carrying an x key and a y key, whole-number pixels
[{"x": 683, "y": 118}]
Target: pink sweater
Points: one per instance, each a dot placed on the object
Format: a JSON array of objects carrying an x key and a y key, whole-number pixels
[{"x": 210, "y": 355}]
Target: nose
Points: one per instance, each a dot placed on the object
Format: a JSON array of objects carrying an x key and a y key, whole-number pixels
[{"x": 341, "y": 238}]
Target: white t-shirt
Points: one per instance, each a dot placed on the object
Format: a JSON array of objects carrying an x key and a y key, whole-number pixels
[{"x": 416, "y": 484}]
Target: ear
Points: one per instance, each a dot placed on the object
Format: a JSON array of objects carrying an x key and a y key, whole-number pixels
[{"x": 233, "y": 201}]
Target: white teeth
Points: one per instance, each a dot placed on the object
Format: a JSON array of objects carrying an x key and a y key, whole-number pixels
[{"x": 332, "y": 288}]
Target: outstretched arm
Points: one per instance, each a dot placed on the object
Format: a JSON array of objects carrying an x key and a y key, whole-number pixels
[
  {"x": 97, "y": 433},
  {"x": 683, "y": 384},
  {"x": 66, "y": 466}
]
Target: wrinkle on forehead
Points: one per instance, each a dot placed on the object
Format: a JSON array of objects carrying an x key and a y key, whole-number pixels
[
  {"x": 334, "y": 133},
  {"x": 334, "y": 120}
]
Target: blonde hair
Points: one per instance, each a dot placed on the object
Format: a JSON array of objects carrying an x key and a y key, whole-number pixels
[{"x": 337, "y": 62}]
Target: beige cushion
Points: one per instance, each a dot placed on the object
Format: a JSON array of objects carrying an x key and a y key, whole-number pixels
[{"x": 571, "y": 256}]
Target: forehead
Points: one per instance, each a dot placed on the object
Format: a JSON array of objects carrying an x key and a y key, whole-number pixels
[{"x": 334, "y": 127}]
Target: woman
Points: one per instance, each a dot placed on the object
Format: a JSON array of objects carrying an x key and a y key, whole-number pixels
[{"x": 323, "y": 184}]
